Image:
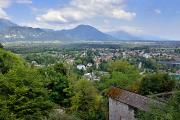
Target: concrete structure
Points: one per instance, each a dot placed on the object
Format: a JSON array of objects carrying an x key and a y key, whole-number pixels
[{"x": 122, "y": 103}]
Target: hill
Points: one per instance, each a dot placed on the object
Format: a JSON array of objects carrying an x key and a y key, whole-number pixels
[
  {"x": 121, "y": 35},
  {"x": 13, "y": 32}
]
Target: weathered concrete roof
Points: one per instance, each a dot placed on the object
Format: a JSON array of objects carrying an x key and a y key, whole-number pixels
[{"x": 132, "y": 99}]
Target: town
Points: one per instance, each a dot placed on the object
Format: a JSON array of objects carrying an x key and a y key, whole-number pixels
[{"x": 91, "y": 60}]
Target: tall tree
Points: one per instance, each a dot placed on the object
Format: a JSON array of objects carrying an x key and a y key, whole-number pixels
[{"x": 86, "y": 100}]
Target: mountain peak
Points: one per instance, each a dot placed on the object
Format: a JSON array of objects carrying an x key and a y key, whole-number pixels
[{"x": 85, "y": 27}]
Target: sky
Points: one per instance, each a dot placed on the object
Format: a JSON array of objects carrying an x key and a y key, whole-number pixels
[{"x": 159, "y": 18}]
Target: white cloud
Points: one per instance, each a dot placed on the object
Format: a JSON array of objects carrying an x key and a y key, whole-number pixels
[
  {"x": 49, "y": 26},
  {"x": 157, "y": 11},
  {"x": 121, "y": 14},
  {"x": 4, "y": 4},
  {"x": 24, "y": 1},
  {"x": 3, "y": 14},
  {"x": 78, "y": 10},
  {"x": 132, "y": 29},
  {"x": 126, "y": 28},
  {"x": 63, "y": 16}
]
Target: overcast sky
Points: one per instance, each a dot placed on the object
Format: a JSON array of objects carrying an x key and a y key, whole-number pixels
[{"x": 152, "y": 17}]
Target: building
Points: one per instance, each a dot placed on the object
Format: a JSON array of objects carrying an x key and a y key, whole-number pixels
[
  {"x": 81, "y": 67},
  {"x": 89, "y": 65},
  {"x": 122, "y": 103},
  {"x": 170, "y": 63},
  {"x": 91, "y": 76}
]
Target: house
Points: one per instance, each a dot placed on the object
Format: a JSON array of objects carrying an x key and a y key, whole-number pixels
[
  {"x": 89, "y": 65},
  {"x": 81, "y": 67},
  {"x": 91, "y": 76},
  {"x": 122, "y": 103},
  {"x": 178, "y": 72},
  {"x": 146, "y": 55}
]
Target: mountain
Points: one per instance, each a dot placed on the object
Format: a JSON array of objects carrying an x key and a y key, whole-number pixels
[
  {"x": 4, "y": 23},
  {"x": 12, "y": 32},
  {"x": 86, "y": 32},
  {"x": 121, "y": 35},
  {"x": 153, "y": 38}
]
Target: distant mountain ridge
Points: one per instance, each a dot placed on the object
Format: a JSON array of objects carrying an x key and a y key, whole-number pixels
[
  {"x": 124, "y": 35},
  {"x": 11, "y": 32}
]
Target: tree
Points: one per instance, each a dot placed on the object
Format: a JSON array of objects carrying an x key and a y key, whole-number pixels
[
  {"x": 22, "y": 92},
  {"x": 23, "y": 95},
  {"x": 86, "y": 100},
  {"x": 170, "y": 111},
  {"x": 122, "y": 74},
  {"x": 156, "y": 83},
  {"x": 9, "y": 61},
  {"x": 57, "y": 82},
  {"x": 62, "y": 68},
  {"x": 1, "y": 46}
]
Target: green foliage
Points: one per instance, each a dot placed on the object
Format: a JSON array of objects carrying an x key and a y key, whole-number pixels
[
  {"x": 156, "y": 83},
  {"x": 1, "y": 46},
  {"x": 57, "y": 83},
  {"x": 23, "y": 95},
  {"x": 56, "y": 115},
  {"x": 86, "y": 100},
  {"x": 62, "y": 68},
  {"x": 168, "y": 112},
  {"x": 22, "y": 92},
  {"x": 43, "y": 59},
  {"x": 103, "y": 66},
  {"x": 177, "y": 50},
  {"x": 121, "y": 66},
  {"x": 9, "y": 61},
  {"x": 78, "y": 61},
  {"x": 122, "y": 74}
]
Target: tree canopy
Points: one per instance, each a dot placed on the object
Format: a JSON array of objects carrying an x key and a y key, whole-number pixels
[
  {"x": 122, "y": 74},
  {"x": 22, "y": 92},
  {"x": 156, "y": 83},
  {"x": 1, "y": 46}
]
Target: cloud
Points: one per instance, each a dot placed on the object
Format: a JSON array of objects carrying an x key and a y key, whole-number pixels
[
  {"x": 7, "y": 3},
  {"x": 24, "y": 1},
  {"x": 3, "y": 14},
  {"x": 157, "y": 11},
  {"x": 4, "y": 4},
  {"x": 64, "y": 16},
  {"x": 132, "y": 29},
  {"x": 126, "y": 28},
  {"x": 45, "y": 25},
  {"x": 79, "y": 10}
]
